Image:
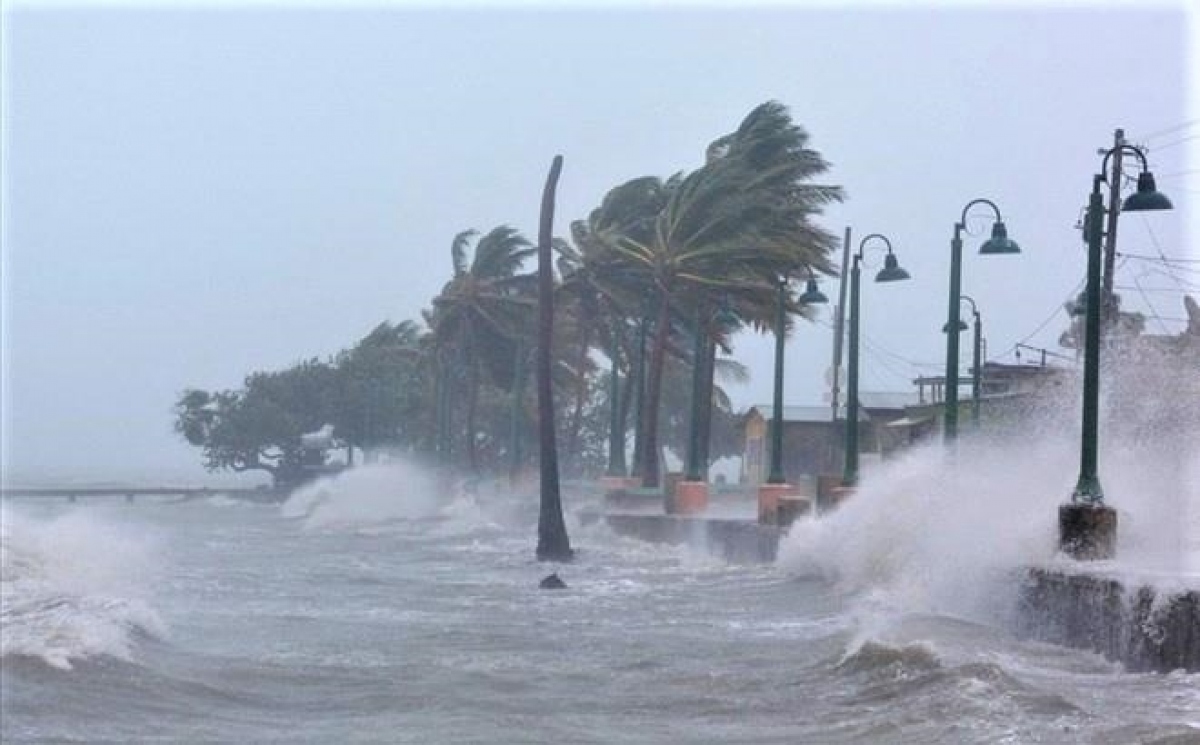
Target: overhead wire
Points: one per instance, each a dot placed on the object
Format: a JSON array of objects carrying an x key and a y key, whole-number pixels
[{"x": 1167, "y": 130}]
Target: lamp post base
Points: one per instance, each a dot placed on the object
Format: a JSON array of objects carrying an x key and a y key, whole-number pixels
[
  {"x": 790, "y": 507},
  {"x": 691, "y": 497},
  {"x": 1087, "y": 532},
  {"x": 768, "y": 501}
]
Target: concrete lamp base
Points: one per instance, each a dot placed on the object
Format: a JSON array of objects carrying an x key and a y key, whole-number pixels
[
  {"x": 768, "y": 501},
  {"x": 619, "y": 483},
  {"x": 691, "y": 497},
  {"x": 1087, "y": 532},
  {"x": 792, "y": 506}
]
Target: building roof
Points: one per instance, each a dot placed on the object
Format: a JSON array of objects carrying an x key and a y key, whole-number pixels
[
  {"x": 895, "y": 400},
  {"x": 813, "y": 414}
]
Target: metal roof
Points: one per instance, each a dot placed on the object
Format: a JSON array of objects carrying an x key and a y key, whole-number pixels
[{"x": 805, "y": 413}]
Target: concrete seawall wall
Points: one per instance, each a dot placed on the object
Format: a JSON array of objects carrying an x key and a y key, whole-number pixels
[
  {"x": 1133, "y": 622},
  {"x": 1141, "y": 626},
  {"x": 737, "y": 541}
]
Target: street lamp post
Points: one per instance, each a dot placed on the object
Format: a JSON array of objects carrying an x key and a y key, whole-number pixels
[
  {"x": 891, "y": 272},
  {"x": 976, "y": 363},
  {"x": 776, "y": 484},
  {"x": 999, "y": 243},
  {"x": 775, "y": 475},
  {"x": 811, "y": 296},
  {"x": 1087, "y": 527},
  {"x": 977, "y": 343}
]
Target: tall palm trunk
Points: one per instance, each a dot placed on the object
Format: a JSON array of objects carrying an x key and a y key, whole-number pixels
[
  {"x": 639, "y": 399},
  {"x": 553, "y": 543},
  {"x": 616, "y": 429},
  {"x": 658, "y": 355},
  {"x": 472, "y": 406},
  {"x": 710, "y": 362},
  {"x": 576, "y": 420}
]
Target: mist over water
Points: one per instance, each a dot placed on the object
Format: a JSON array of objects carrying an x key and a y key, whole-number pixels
[{"x": 386, "y": 604}]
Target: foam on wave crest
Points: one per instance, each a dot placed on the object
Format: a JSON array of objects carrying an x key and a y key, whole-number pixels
[
  {"x": 73, "y": 588},
  {"x": 367, "y": 495}
]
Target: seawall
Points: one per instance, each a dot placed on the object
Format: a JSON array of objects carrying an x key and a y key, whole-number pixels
[
  {"x": 737, "y": 541},
  {"x": 1146, "y": 624}
]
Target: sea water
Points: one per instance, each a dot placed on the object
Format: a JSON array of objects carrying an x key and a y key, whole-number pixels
[{"x": 375, "y": 607}]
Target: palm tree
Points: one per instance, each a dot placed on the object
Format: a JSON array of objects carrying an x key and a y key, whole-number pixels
[
  {"x": 605, "y": 295},
  {"x": 478, "y": 315},
  {"x": 732, "y": 228},
  {"x": 553, "y": 543}
]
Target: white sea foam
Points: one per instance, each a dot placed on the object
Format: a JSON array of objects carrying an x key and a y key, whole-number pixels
[
  {"x": 368, "y": 495},
  {"x": 73, "y": 587}
]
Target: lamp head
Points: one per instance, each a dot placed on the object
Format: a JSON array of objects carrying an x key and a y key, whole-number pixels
[
  {"x": 812, "y": 295},
  {"x": 999, "y": 243},
  {"x": 962, "y": 326},
  {"x": 1147, "y": 197},
  {"x": 891, "y": 271}
]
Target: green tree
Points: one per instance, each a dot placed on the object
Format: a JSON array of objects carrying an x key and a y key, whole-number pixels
[
  {"x": 380, "y": 393},
  {"x": 261, "y": 426},
  {"x": 478, "y": 315},
  {"x": 730, "y": 229}
]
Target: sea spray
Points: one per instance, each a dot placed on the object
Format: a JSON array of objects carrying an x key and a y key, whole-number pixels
[
  {"x": 368, "y": 498},
  {"x": 74, "y": 587},
  {"x": 947, "y": 532},
  {"x": 368, "y": 495}
]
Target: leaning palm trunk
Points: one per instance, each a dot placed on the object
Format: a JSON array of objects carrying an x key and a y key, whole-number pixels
[
  {"x": 553, "y": 543},
  {"x": 576, "y": 421},
  {"x": 706, "y": 406},
  {"x": 650, "y": 449},
  {"x": 639, "y": 399}
]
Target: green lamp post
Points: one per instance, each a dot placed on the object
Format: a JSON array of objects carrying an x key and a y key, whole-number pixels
[
  {"x": 1087, "y": 528},
  {"x": 976, "y": 361},
  {"x": 811, "y": 296},
  {"x": 999, "y": 243},
  {"x": 891, "y": 272}
]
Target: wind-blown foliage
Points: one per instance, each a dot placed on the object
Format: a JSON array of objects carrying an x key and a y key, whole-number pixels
[{"x": 691, "y": 259}]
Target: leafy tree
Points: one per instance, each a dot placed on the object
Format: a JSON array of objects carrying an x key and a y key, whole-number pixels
[
  {"x": 380, "y": 391},
  {"x": 260, "y": 427}
]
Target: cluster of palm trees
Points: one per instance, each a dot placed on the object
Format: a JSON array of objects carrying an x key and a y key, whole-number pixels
[{"x": 656, "y": 279}]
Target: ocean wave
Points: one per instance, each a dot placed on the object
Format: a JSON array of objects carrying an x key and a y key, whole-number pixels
[
  {"x": 73, "y": 588},
  {"x": 366, "y": 495}
]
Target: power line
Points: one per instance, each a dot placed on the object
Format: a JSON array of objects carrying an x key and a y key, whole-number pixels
[
  {"x": 1160, "y": 257},
  {"x": 1173, "y": 143},
  {"x": 1166, "y": 131}
]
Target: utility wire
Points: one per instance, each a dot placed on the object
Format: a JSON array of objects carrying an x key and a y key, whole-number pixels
[
  {"x": 1166, "y": 131},
  {"x": 1160, "y": 257}
]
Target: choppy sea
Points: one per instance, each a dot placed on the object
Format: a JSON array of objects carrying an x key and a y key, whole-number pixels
[{"x": 372, "y": 608}]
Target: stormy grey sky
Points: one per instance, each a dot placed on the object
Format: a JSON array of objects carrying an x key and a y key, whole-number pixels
[{"x": 191, "y": 193}]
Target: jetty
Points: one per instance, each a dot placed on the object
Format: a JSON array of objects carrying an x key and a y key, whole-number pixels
[{"x": 73, "y": 493}]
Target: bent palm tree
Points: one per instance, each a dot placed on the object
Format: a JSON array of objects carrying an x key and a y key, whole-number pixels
[
  {"x": 479, "y": 313},
  {"x": 731, "y": 228}
]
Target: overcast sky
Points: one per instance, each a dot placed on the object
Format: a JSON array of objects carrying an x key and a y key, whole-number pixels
[{"x": 191, "y": 194}]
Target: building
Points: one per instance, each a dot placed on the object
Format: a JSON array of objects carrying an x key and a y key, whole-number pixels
[{"x": 814, "y": 443}]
